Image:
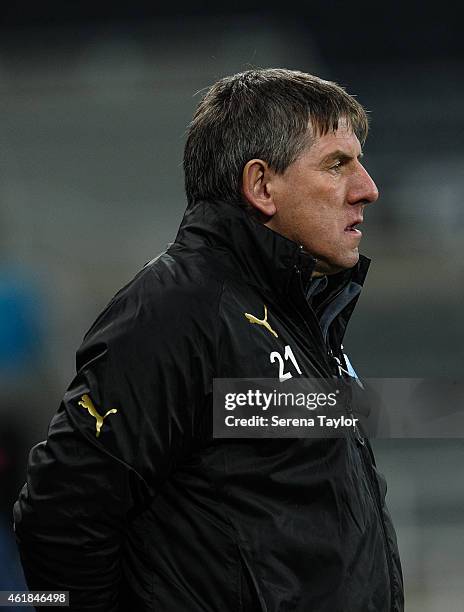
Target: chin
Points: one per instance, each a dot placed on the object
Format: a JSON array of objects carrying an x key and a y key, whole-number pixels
[{"x": 332, "y": 266}]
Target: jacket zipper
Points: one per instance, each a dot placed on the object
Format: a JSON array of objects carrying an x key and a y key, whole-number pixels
[
  {"x": 359, "y": 440},
  {"x": 378, "y": 503},
  {"x": 374, "y": 488}
]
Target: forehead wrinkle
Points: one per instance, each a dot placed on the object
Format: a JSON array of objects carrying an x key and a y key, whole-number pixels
[
  {"x": 346, "y": 142},
  {"x": 316, "y": 145},
  {"x": 340, "y": 154}
]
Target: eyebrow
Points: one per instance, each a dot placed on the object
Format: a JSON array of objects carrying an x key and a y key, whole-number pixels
[{"x": 341, "y": 155}]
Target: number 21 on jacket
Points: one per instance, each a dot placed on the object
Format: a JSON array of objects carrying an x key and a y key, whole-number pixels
[{"x": 288, "y": 356}]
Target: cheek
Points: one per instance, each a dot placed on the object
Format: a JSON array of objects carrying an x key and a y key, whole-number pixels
[
  {"x": 320, "y": 217},
  {"x": 309, "y": 210},
  {"x": 311, "y": 228}
]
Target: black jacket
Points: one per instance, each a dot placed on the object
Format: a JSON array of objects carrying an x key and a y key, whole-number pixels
[{"x": 151, "y": 513}]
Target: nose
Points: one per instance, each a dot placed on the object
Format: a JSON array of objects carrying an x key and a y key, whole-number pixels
[{"x": 363, "y": 189}]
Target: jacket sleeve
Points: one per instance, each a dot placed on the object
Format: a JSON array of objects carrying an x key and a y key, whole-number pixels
[{"x": 129, "y": 415}]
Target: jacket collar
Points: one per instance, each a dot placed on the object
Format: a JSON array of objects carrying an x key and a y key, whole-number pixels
[{"x": 252, "y": 251}]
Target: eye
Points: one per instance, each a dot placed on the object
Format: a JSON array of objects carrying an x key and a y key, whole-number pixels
[{"x": 336, "y": 165}]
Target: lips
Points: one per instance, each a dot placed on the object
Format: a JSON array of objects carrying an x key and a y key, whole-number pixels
[{"x": 352, "y": 226}]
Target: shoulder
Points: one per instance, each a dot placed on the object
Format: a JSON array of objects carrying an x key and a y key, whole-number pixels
[{"x": 173, "y": 300}]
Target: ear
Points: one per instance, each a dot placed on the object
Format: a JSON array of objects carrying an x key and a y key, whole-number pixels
[{"x": 255, "y": 187}]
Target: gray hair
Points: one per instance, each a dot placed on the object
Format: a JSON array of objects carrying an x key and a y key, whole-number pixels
[{"x": 264, "y": 114}]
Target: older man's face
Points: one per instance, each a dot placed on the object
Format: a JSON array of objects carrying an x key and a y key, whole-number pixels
[{"x": 321, "y": 197}]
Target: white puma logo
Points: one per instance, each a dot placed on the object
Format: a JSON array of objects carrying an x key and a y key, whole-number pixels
[
  {"x": 87, "y": 403},
  {"x": 262, "y": 322}
]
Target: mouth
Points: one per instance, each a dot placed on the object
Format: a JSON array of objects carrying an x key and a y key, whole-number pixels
[{"x": 352, "y": 229}]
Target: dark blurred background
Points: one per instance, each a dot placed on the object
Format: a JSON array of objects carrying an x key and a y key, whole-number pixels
[{"x": 94, "y": 103}]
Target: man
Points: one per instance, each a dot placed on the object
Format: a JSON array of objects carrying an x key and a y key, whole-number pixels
[{"x": 131, "y": 503}]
